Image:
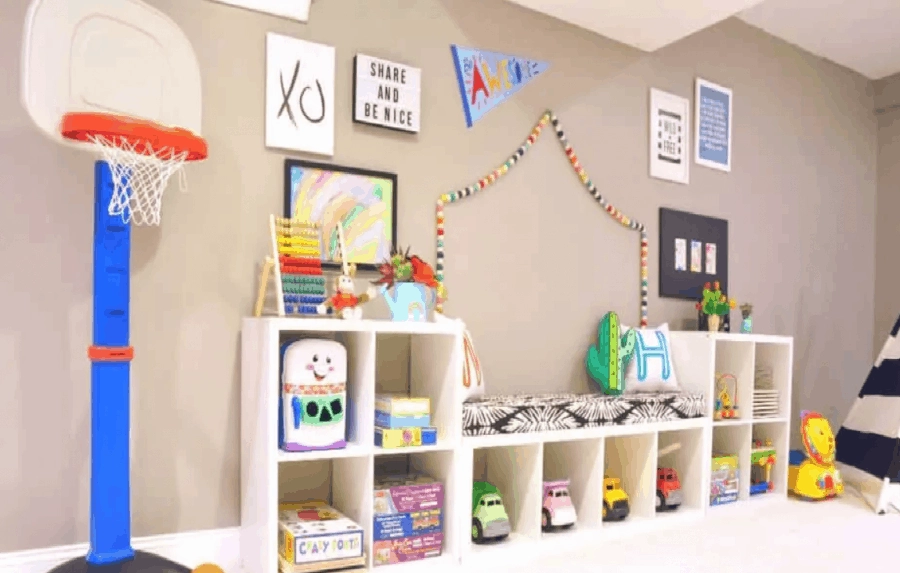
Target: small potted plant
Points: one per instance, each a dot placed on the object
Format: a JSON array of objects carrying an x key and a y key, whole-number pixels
[
  {"x": 409, "y": 286},
  {"x": 714, "y": 305}
]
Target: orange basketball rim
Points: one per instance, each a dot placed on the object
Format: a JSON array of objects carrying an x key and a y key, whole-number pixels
[{"x": 144, "y": 137}]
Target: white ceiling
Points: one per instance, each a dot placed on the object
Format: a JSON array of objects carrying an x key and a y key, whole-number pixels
[
  {"x": 644, "y": 24},
  {"x": 861, "y": 35}
]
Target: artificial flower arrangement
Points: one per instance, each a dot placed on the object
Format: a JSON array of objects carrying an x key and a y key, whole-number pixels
[
  {"x": 714, "y": 305},
  {"x": 403, "y": 268},
  {"x": 409, "y": 285}
]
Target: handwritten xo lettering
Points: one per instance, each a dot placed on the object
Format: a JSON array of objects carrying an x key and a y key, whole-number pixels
[{"x": 287, "y": 92}]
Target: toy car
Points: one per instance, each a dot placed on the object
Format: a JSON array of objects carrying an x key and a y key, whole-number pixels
[
  {"x": 489, "y": 518},
  {"x": 668, "y": 489},
  {"x": 557, "y": 510},
  {"x": 615, "y": 500}
]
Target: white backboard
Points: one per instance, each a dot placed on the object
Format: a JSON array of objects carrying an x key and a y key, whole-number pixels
[{"x": 114, "y": 56}]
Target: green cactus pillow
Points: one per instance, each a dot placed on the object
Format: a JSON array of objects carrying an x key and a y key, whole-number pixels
[
  {"x": 607, "y": 359},
  {"x": 651, "y": 370}
]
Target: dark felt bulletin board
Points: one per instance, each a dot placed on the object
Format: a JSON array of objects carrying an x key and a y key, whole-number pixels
[{"x": 690, "y": 227}]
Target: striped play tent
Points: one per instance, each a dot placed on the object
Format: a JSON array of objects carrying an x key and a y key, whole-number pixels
[{"x": 868, "y": 444}]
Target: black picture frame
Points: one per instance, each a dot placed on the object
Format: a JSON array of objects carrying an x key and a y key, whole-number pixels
[
  {"x": 290, "y": 164},
  {"x": 684, "y": 284}
]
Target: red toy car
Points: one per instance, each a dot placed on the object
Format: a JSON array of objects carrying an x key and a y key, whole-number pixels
[{"x": 668, "y": 489}]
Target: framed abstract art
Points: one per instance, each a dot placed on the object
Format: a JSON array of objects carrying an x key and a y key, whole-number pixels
[{"x": 362, "y": 201}]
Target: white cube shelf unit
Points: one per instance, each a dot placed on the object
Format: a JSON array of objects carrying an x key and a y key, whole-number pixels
[{"x": 426, "y": 359}]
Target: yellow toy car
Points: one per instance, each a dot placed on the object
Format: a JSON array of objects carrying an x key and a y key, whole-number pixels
[
  {"x": 615, "y": 500},
  {"x": 811, "y": 474}
]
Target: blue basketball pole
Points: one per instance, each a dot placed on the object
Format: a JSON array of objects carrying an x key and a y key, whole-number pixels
[{"x": 110, "y": 536}]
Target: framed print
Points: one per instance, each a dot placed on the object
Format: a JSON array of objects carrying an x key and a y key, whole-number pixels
[
  {"x": 669, "y": 137},
  {"x": 362, "y": 201},
  {"x": 713, "y": 125}
]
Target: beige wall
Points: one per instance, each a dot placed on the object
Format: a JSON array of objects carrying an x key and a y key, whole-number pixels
[
  {"x": 887, "y": 273},
  {"x": 800, "y": 201}
]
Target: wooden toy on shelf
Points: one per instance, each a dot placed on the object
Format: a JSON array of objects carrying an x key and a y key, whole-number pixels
[
  {"x": 726, "y": 401},
  {"x": 557, "y": 509},
  {"x": 489, "y": 518},
  {"x": 344, "y": 302},
  {"x": 296, "y": 263},
  {"x": 762, "y": 460},
  {"x": 811, "y": 473},
  {"x": 615, "y": 500}
]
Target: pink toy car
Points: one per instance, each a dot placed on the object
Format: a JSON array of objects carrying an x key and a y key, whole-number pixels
[{"x": 558, "y": 510}]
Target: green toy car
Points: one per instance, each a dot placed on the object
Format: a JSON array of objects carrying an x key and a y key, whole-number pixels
[{"x": 489, "y": 519}]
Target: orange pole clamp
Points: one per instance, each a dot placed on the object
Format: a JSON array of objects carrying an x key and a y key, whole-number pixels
[{"x": 110, "y": 353}]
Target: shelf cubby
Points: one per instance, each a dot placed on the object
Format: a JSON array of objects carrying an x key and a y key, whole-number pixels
[
  {"x": 439, "y": 465},
  {"x": 580, "y": 462},
  {"x": 735, "y": 356},
  {"x": 774, "y": 360},
  {"x": 778, "y": 433},
  {"x": 343, "y": 483},
  {"x": 406, "y": 365},
  {"x": 632, "y": 459},
  {"x": 359, "y": 409},
  {"x": 690, "y": 462},
  {"x": 517, "y": 472},
  {"x": 734, "y": 440}
]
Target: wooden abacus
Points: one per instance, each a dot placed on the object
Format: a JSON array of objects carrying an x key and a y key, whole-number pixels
[{"x": 299, "y": 284}]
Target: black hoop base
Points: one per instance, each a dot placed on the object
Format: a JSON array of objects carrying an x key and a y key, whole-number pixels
[{"x": 141, "y": 563}]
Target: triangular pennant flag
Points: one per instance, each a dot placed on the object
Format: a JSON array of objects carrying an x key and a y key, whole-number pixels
[{"x": 488, "y": 78}]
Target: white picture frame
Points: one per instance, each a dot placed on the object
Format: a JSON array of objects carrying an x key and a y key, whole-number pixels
[
  {"x": 670, "y": 133},
  {"x": 387, "y": 94},
  {"x": 291, "y": 9},
  {"x": 299, "y": 95},
  {"x": 713, "y": 113}
]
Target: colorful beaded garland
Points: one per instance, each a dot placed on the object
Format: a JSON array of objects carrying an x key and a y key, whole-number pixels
[{"x": 548, "y": 118}]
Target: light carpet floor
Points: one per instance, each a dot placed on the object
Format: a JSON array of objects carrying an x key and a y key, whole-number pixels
[{"x": 837, "y": 536}]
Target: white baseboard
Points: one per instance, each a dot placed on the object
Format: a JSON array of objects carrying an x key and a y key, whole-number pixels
[{"x": 193, "y": 548}]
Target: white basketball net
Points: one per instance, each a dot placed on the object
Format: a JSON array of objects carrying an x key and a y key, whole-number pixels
[{"x": 139, "y": 179}]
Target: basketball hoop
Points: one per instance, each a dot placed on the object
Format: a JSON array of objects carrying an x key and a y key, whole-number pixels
[{"x": 142, "y": 156}]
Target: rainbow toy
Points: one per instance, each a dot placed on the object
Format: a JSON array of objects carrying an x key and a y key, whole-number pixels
[
  {"x": 299, "y": 283},
  {"x": 491, "y": 178}
]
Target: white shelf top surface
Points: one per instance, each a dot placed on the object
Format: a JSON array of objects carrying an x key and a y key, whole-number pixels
[{"x": 302, "y": 324}]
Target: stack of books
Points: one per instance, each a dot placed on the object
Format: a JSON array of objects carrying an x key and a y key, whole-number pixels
[
  {"x": 765, "y": 396},
  {"x": 408, "y": 519},
  {"x": 401, "y": 421}
]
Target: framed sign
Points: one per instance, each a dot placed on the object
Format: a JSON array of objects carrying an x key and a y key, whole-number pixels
[
  {"x": 693, "y": 251},
  {"x": 362, "y": 201},
  {"x": 386, "y": 94},
  {"x": 713, "y": 125},
  {"x": 669, "y": 137},
  {"x": 299, "y": 95}
]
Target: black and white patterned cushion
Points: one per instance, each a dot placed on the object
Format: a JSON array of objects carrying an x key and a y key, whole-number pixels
[{"x": 488, "y": 415}]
